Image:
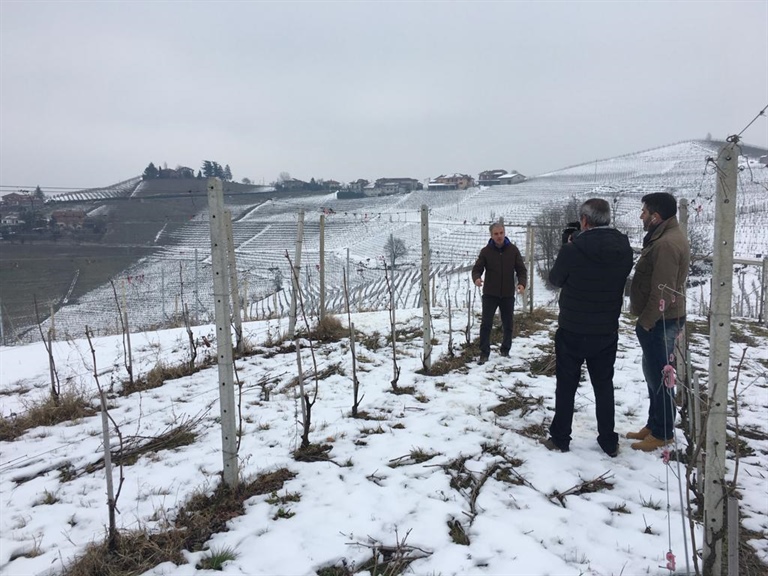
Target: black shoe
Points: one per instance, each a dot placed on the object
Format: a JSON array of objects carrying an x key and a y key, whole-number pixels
[
  {"x": 612, "y": 452},
  {"x": 549, "y": 444},
  {"x": 483, "y": 359},
  {"x": 505, "y": 353}
]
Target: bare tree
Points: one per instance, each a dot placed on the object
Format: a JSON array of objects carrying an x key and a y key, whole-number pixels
[
  {"x": 550, "y": 224},
  {"x": 393, "y": 249}
]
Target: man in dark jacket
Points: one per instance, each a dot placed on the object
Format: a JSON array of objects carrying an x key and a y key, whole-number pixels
[
  {"x": 591, "y": 270},
  {"x": 500, "y": 260}
]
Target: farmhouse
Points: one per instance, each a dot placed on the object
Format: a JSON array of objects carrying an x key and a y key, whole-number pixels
[
  {"x": 513, "y": 177},
  {"x": 452, "y": 182},
  {"x": 11, "y": 219},
  {"x": 72, "y": 219},
  {"x": 497, "y": 177},
  {"x": 16, "y": 199},
  {"x": 397, "y": 185},
  {"x": 490, "y": 177}
]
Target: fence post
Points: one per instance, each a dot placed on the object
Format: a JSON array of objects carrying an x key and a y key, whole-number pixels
[
  {"x": 764, "y": 300},
  {"x": 162, "y": 291},
  {"x": 719, "y": 357},
  {"x": 108, "y": 465},
  {"x": 197, "y": 290},
  {"x": 295, "y": 273},
  {"x": 426, "y": 314},
  {"x": 127, "y": 329},
  {"x": 322, "y": 267},
  {"x": 234, "y": 289},
  {"x": 531, "y": 272},
  {"x": 223, "y": 331}
]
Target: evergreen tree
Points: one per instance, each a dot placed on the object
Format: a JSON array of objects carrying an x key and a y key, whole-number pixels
[
  {"x": 150, "y": 172},
  {"x": 199, "y": 174},
  {"x": 227, "y": 173},
  {"x": 208, "y": 169}
]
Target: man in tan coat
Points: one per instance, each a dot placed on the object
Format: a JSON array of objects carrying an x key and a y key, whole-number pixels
[{"x": 657, "y": 297}]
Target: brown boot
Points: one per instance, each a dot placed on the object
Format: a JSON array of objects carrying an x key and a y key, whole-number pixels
[
  {"x": 642, "y": 434},
  {"x": 650, "y": 443}
]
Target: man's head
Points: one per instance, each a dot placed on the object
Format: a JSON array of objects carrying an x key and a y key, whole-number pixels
[
  {"x": 657, "y": 207},
  {"x": 497, "y": 233},
  {"x": 594, "y": 212}
]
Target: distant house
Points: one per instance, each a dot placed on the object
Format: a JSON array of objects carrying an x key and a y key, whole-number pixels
[
  {"x": 293, "y": 184},
  {"x": 178, "y": 172},
  {"x": 490, "y": 177},
  {"x": 452, "y": 182},
  {"x": 513, "y": 177},
  {"x": 358, "y": 185},
  {"x": 16, "y": 199},
  {"x": 331, "y": 185},
  {"x": 497, "y": 177},
  {"x": 11, "y": 219},
  {"x": 396, "y": 185},
  {"x": 71, "y": 219},
  {"x": 763, "y": 160}
]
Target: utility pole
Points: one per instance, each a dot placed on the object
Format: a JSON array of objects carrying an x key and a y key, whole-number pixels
[
  {"x": 715, "y": 494},
  {"x": 223, "y": 330}
]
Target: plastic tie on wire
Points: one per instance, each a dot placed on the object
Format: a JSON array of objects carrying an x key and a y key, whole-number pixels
[
  {"x": 670, "y": 561},
  {"x": 662, "y": 305},
  {"x": 669, "y": 376},
  {"x": 665, "y": 455}
]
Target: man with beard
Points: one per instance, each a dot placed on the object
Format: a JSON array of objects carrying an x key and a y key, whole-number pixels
[{"x": 657, "y": 297}]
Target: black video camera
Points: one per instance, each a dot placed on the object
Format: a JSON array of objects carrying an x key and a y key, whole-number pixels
[{"x": 571, "y": 230}]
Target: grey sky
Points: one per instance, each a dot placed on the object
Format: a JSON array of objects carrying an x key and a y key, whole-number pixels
[{"x": 91, "y": 92}]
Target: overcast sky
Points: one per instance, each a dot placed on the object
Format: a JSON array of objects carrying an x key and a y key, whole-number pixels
[{"x": 91, "y": 92}]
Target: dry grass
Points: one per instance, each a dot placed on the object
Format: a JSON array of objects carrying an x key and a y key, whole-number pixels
[
  {"x": 540, "y": 319},
  {"x": 525, "y": 404},
  {"x": 202, "y": 516},
  {"x": 329, "y": 329},
  {"x": 544, "y": 365},
  {"x": 157, "y": 376},
  {"x": 72, "y": 405},
  {"x": 448, "y": 363}
]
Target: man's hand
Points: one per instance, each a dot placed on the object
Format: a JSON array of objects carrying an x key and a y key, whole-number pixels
[
  {"x": 479, "y": 282},
  {"x": 520, "y": 288}
]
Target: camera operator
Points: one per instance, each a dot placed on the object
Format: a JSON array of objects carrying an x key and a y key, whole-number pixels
[{"x": 591, "y": 269}]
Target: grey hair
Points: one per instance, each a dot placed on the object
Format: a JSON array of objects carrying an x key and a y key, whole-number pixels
[
  {"x": 495, "y": 225},
  {"x": 596, "y": 211}
]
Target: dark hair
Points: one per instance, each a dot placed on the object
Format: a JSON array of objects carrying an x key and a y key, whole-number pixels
[
  {"x": 661, "y": 203},
  {"x": 596, "y": 211}
]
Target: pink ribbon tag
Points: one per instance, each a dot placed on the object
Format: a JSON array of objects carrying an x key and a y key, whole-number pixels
[{"x": 669, "y": 376}]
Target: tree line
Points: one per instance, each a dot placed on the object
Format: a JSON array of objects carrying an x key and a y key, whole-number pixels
[{"x": 209, "y": 169}]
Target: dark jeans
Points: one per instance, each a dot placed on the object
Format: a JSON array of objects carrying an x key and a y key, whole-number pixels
[
  {"x": 506, "y": 306},
  {"x": 659, "y": 350},
  {"x": 599, "y": 352}
]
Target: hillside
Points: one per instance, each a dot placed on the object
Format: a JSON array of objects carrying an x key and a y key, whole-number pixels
[{"x": 173, "y": 224}]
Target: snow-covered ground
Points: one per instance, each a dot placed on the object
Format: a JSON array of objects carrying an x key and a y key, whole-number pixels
[{"x": 375, "y": 490}]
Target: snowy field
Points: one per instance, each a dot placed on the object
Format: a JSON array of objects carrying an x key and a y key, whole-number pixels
[{"x": 391, "y": 476}]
